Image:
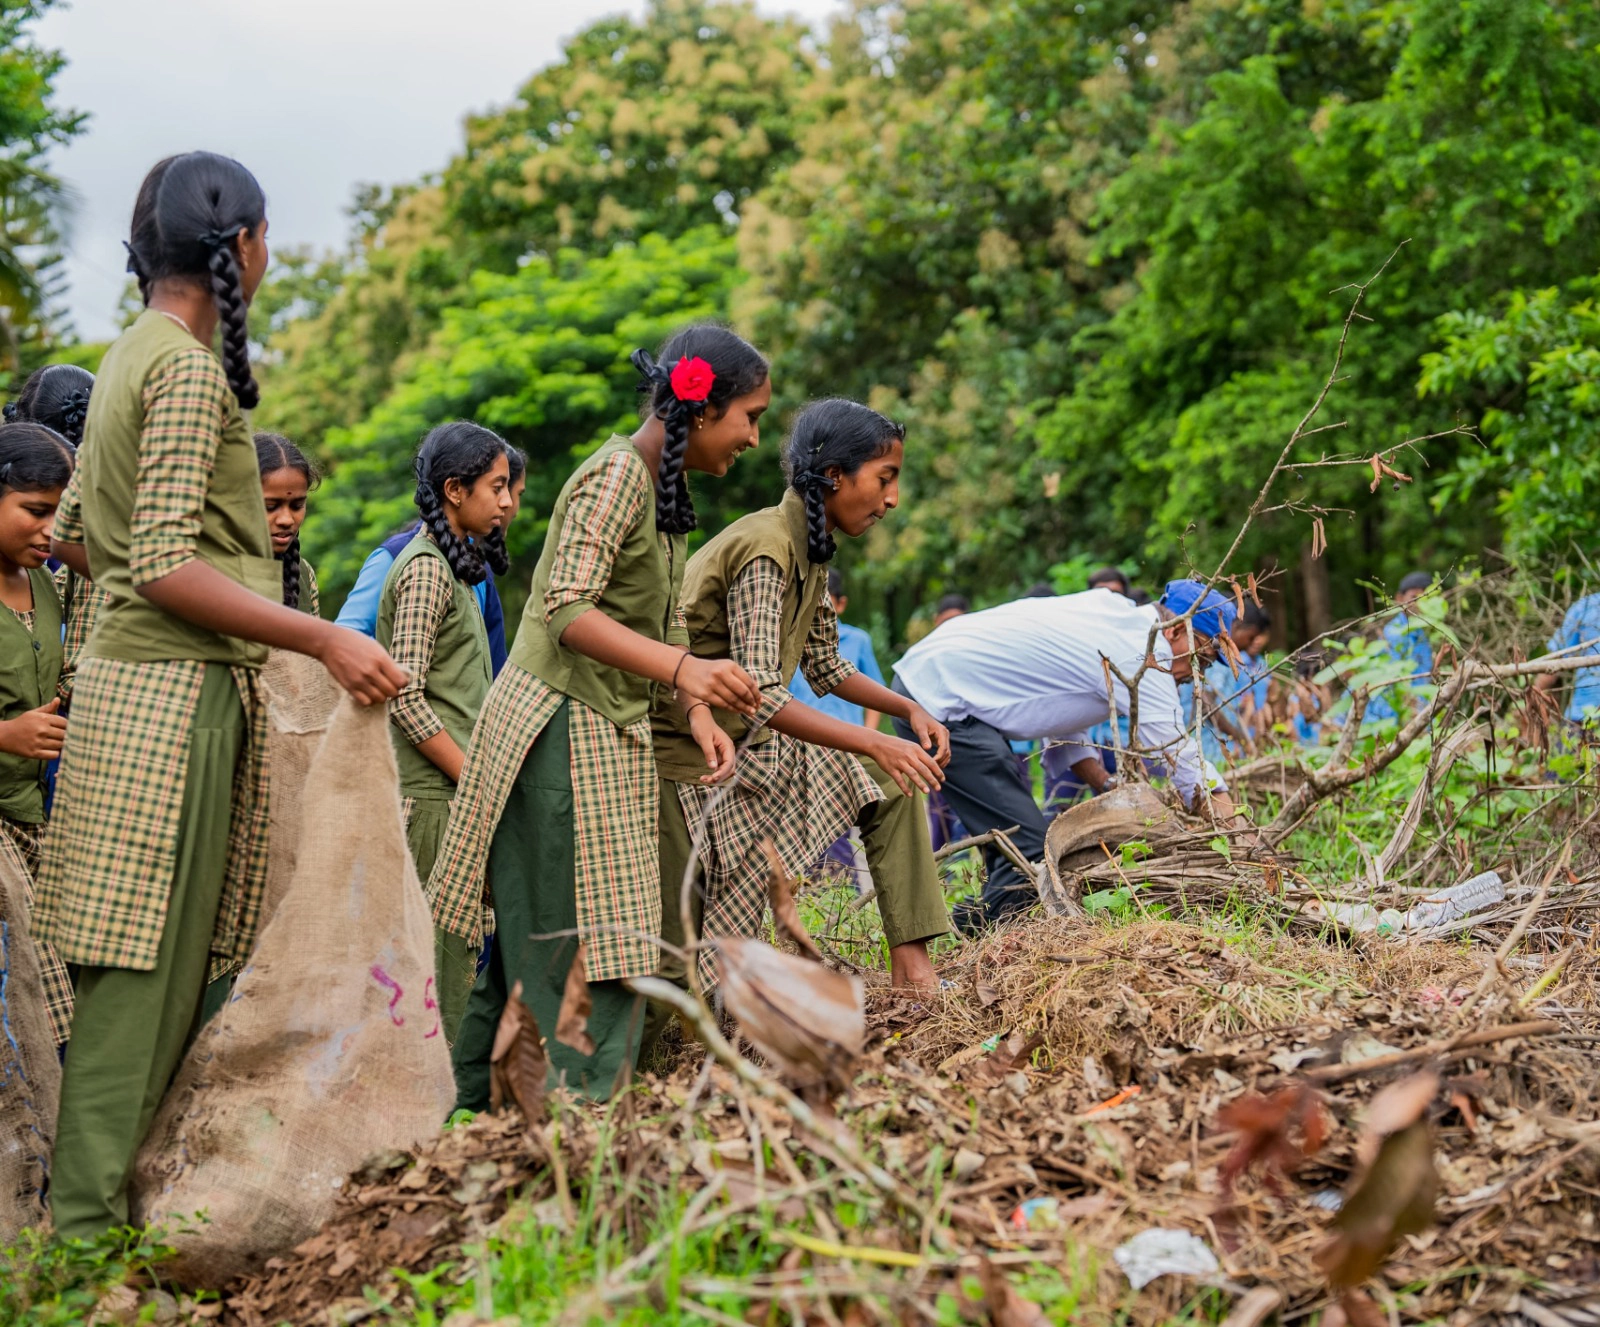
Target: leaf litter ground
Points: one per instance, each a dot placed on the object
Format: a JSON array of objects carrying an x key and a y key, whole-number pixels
[{"x": 1080, "y": 1084}]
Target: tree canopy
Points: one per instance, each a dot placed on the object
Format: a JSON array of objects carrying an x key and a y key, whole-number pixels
[{"x": 1097, "y": 255}]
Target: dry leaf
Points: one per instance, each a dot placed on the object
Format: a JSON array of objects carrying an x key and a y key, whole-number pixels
[
  {"x": 1377, "y": 474},
  {"x": 572, "y": 1025},
  {"x": 987, "y": 995},
  {"x": 1255, "y": 593},
  {"x": 807, "y": 1018},
  {"x": 784, "y": 912},
  {"x": 1396, "y": 1107},
  {"x": 1361, "y": 1310},
  {"x": 1278, "y": 1132},
  {"x": 517, "y": 1066},
  {"x": 1006, "y": 1307},
  {"x": 1394, "y": 1198},
  {"x": 1319, "y": 538},
  {"x": 1238, "y": 595}
]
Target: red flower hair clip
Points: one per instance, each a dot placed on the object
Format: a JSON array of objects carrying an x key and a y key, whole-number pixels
[{"x": 692, "y": 380}]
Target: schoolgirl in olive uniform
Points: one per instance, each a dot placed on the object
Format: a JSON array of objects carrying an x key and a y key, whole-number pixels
[
  {"x": 755, "y": 594},
  {"x": 155, "y": 859},
  {"x": 35, "y": 465},
  {"x": 555, "y": 817},
  {"x": 57, "y": 396},
  {"x": 429, "y": 619},
  {"x": 287, "y": 478}
]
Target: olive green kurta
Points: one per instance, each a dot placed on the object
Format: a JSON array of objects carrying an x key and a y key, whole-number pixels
[
  {"x": 156, "y": 859},
  {"x": 30, "y": 671},
  {"x": 556, "y": 813},
  {"x": 752, "y": 594}
]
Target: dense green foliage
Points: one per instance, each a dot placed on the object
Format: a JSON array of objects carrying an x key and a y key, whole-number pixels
[
  {"x": 1097, "y": 255},
  {"x": 34, "y": 205}
]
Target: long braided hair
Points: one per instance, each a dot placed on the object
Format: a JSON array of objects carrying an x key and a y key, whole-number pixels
[
  {"x": 187, "y": 220},
  {"x": 56, "y": 396},
  {"x": 464, "y": 451},
  {"x": 832, "y": 435},
  {"x": 276, "y": 452},
  {"x": 738, "y": 369}
]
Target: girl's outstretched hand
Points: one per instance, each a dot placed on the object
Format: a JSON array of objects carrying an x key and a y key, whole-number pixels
[
  {"x": 719, "y": 682},
  {"x": 360, "y": 665},
  {"x": 932, "y": 735},
  {"x": 909, "y": 765},
  {"x": 715, "y": 745}
]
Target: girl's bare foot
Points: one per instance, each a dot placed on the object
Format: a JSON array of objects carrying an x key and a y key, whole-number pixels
[{"x": 911, "y": 970}]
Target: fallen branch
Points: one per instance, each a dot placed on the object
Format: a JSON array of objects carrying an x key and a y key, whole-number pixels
[
  {"x": 1337, "y": 1073},
  {"x": 828, "y": 1132}
]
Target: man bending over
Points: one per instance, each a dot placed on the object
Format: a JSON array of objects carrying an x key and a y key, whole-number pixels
[{"x": 1033, "y": 669}]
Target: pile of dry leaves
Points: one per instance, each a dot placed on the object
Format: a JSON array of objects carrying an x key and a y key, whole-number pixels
[{"x": 1392, "y": 1135}]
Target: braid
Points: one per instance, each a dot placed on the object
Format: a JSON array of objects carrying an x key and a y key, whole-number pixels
[
  {"x": 820, "y": 546},
  {"x": 674, "y": 507},
  {"x": 494, "y": 552},
  {"x": 291, "y": 574},
  {"x": 466, "y": 562},
  {"x": 232, "y": 313}
]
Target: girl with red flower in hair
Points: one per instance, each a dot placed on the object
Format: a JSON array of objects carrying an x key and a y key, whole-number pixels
[{"x": 555, "y": 815}]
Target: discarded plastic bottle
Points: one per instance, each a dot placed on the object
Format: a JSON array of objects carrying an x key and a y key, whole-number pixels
[{"x": 1449, "y": 905}]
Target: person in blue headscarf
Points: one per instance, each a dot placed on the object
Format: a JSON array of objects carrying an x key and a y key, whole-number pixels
[{"x": 1405, "y": 640}]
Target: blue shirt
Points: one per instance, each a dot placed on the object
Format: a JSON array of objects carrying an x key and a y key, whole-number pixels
[
  {"x": 360, "y": 609},
  {"x": 1410, "y": 646},
  {"x": 855, "y": 646},
  {"x": 1582, "y": 623}
]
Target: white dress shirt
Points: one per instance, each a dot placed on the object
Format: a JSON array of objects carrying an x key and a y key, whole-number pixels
[{"x": 1033, "y": 669}]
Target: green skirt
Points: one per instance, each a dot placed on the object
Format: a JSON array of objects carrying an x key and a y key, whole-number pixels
[
  {"x": 455, "y": 960},
  {"x": 533, "y": 882}
]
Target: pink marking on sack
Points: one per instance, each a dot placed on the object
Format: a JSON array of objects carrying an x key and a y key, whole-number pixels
[
  {"x": 428, "y": 1002},
  {"x": 384, "y": 979}
]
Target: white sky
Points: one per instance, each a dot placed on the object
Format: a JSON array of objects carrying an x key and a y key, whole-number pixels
[{"x": 315, "y": 96}]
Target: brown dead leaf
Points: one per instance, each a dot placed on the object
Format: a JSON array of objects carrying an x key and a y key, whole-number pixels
[
  {"x": 1277, "y": 1132},
  {"x": 806, "y": 1017},
  {"x": 784, "y": 913},
  {"x": 1361, "y": 1310},
  {"x": 1394, "y": 1198},
  {"x": 1319, "y": 538},
  {"x": 517, "y": 1064},
  {"x": 1377, "y": 473},
  {"x": 1255, "y": 593},
  {"x": 572, "y": 1024},
  {"x": 1398, "y": 1106},
  {"x": 1006, "y": 1307},
  {"x": 987, "y": 995}
]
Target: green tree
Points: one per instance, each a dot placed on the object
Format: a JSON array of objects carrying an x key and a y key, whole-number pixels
[
  {"x": 649, "y": 127},
  {"x": 1477, "y": 154},
  {"x": 34, "y": 204},
  {"x": 541, "y": 357},
  {"x": 1529, "y": 378}
]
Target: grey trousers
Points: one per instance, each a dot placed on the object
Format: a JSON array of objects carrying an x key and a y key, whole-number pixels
[{"x": 986, "y": 788}]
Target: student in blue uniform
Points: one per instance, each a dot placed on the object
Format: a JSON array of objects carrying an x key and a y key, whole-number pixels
[{"x": 1406, "y": 640}]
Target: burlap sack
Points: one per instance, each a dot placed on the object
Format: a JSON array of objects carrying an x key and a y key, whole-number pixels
[
  {"x": 30, "y": 1073},
  {"x": 330, "y": 1049},
  {"x": 301, "y": 696}
]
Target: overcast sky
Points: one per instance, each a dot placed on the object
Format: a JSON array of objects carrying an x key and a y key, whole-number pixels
[{"x": 315, "y": 96}]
